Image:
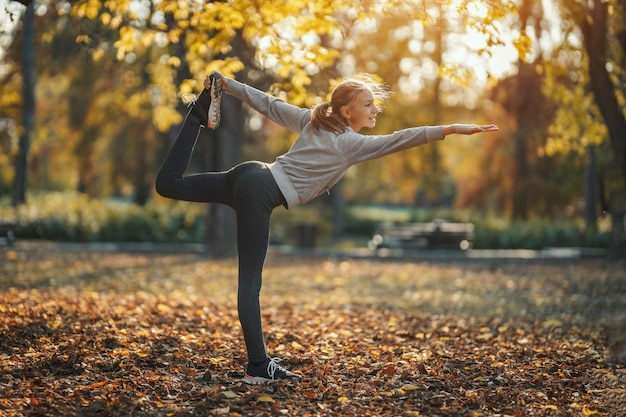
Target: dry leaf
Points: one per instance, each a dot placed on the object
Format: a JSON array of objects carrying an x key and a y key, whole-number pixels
[
  {"x": 222, "y": 411},
  {"x": 588, "y": 411},
  {"x": 230, "y": 394},
  {"x": 80, "y": 326}
]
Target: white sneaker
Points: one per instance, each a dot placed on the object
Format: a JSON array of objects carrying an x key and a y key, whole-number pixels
[
  {"x": 268, "y": 373},
  {"x": 216, "y": 101},
  {"x": 206, "y": 105}
]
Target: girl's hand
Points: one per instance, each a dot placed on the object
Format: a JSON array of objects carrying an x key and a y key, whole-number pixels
[
  {"x": 207, "y": 81},
  {"x": 464, "y": 129}
]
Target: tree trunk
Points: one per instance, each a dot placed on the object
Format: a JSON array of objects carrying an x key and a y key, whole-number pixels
[
  {"x": 337, "y": 197},
  {"x": 591, "y": 189},
  {"x": 28, "y": 115},
  {"x": 339, "y": 210},
  {"x": 521, "y": 189},
  {"x": 223, "y": 152},
  {"x": 141, "y": 176},
  {"x": 595, "y": 41},
  {"x": 521, "y": 193}
]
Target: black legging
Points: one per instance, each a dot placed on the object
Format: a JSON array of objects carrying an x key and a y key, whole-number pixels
[{"x": 249, "y": 188}]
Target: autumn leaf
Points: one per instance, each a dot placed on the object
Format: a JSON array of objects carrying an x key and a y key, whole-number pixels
[
  {"x": 222, "y": 411},
  {"x": 230, "y": 394},
  {"x": 588, "y": 411},
  {"x": 152, "y": 335}
]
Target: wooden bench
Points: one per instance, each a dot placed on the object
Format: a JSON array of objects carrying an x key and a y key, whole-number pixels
[
  {"x": 437, "y": 234},
  {"x": 8, "y": 231}
]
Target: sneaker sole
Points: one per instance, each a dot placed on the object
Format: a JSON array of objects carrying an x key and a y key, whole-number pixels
[
  {"x": 257, "y": 380},
  {"x": 214, "y": 115}
]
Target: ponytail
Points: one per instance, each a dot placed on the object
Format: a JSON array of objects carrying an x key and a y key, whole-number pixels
[{"x": 323, "y": 117}]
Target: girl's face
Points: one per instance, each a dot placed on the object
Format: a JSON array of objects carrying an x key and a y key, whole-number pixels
[{"x": 362, "y": 113}]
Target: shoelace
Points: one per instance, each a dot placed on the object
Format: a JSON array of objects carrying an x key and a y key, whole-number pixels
[
  {"x": 190, "y": 99},
  {"x": 273, "y": 366}
]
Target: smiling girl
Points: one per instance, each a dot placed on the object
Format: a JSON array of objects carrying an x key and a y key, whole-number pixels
[{"x": 328, "y": 144}]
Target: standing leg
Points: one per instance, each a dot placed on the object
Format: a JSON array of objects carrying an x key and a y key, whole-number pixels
[
  {"x": 255, "y": 196},
  {"x": 254, "y": 210},
  {"x": 252, "y": 243}
]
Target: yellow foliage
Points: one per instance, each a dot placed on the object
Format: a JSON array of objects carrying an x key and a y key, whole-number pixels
[
  {"x": 523, "y": 44},
  {"x": 165, "y": 117},
  {"x": 174, "y": 61},
  {"x": 116, "y": 22},
  {"x": 97, "y": 54},
  {"x": 293, "y": 39},
  {"x": 463, "y": 76},
  {"x": 577, "y": 123},
  {"x": 174, "y": 35},
  {"x": 188, "y": 87},
  {"x": 47, "y": 37},
  {"x": 83, "y": 39},
  {"x": 105, "y": 18},
  {"x": 126, "y": 42},
  {"x": 88, "y": 9},
  {"x": 146, "y": 39}
]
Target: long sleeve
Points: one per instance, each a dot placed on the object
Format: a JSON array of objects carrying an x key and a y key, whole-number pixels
[
  {"x": 359, "y": 148},
  {"x": 287, "y": 115}
]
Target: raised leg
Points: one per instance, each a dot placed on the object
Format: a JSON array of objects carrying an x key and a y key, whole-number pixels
[{"x": 207, "y": 187}]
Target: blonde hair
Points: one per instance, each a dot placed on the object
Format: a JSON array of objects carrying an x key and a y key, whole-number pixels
[{"x": 328, "y": 115}]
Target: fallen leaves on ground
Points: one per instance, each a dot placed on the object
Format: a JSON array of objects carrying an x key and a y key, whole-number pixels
[{"x": 87, "y": 333}]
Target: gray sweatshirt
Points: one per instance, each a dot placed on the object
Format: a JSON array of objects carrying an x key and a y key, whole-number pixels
[{"x": 318, "y": 159}]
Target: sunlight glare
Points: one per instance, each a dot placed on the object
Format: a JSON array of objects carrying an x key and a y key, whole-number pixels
[{"x": 499, "y": 61}]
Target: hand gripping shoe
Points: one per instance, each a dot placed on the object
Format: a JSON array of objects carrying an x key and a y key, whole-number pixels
[{"x": 206, "y": 105}]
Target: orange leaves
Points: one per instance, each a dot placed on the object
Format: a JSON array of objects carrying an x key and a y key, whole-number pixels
[{"x": 83, "y": 333}]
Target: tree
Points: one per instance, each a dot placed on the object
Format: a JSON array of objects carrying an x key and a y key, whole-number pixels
[
  {"x": 202, "y": 37},
  {"x": 28, "y": 113},
  {"x": 598, "y": 28},
  {"x": 596, "y": 31},
  {"x": 155, "y": 51},
  {"x": 408, "y": 45}
]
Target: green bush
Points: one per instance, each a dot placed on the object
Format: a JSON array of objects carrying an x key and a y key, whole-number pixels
[
  {"x": 536, "y": 235},
  {"x": 489, "y": 232},
  {"x": 75, "y": 217},
  {"x": 66, "y": 216}
]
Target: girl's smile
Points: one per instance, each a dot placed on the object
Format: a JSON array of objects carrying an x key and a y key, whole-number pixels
[{"x": 362, "y": 113}]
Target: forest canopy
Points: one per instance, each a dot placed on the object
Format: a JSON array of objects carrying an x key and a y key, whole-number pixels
[{"x": 111, "y": 74}]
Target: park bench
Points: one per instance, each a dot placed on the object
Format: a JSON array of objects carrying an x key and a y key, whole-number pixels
[
  {"x": 437, "y": 234},
  {"x": 7, "y": 230}
]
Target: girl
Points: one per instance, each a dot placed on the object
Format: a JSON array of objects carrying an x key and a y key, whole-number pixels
[{"x": 327, "y": 145}]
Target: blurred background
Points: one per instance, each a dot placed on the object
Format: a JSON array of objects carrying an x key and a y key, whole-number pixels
[{"x": 90, "y": 102}]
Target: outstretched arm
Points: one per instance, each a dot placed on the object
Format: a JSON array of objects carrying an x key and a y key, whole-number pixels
[{"x": 464, "y": 129}]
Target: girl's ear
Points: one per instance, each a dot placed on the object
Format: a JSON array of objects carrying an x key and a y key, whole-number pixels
[{"x": 345, "y": 112}]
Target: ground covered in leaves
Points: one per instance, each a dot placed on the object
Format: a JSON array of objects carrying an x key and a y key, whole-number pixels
[{"x": 92, "y": 333}]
